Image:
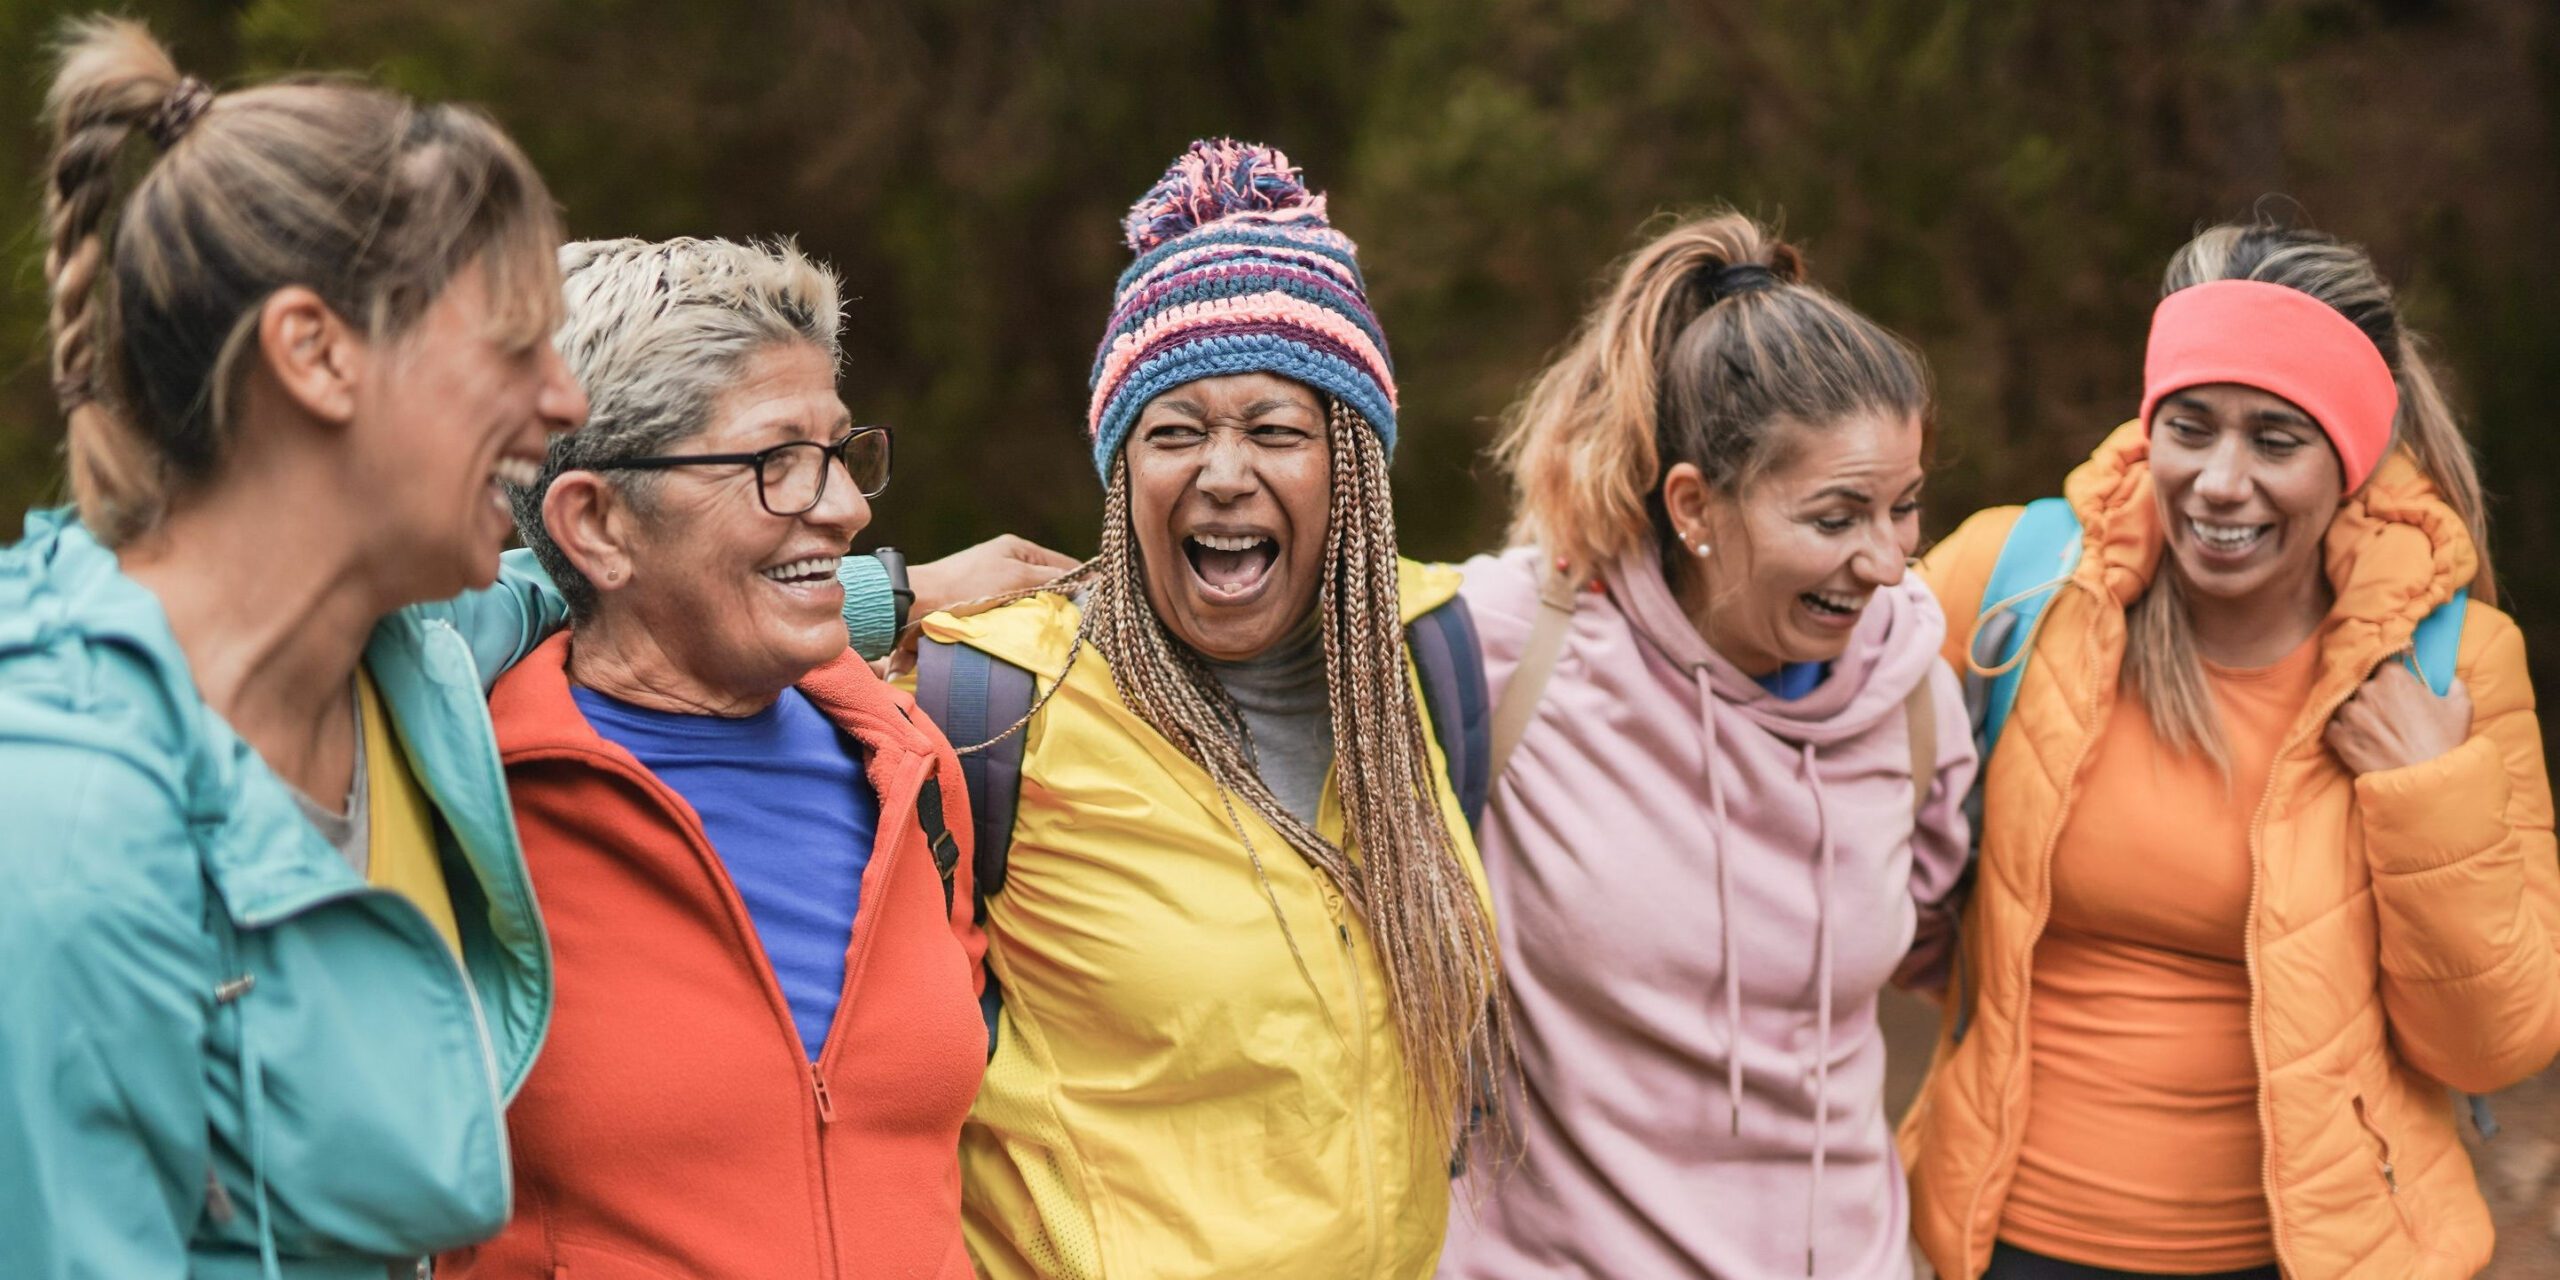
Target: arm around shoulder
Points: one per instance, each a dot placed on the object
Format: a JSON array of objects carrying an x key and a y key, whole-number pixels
[{"x": 2467, "y": 883}]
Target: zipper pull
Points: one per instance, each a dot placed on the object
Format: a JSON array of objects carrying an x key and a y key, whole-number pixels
[
  {"x": 826, "y": 1105},
  {"x": 217, "y": 1199}
]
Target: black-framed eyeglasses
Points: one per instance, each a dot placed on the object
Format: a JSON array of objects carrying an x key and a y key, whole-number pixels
[{"x": 790, "y": 477}]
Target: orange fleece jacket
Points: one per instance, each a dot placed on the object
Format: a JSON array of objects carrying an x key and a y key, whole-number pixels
[{"x": 674, "y": 1125}]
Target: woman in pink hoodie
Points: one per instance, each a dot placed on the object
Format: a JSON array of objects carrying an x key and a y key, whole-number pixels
[{"x": 1708, "y": 847}]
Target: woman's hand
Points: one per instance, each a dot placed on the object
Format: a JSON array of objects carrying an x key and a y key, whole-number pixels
[
  {"x": 991, "y": 568},
  {"x": 2395, "y": 721}
]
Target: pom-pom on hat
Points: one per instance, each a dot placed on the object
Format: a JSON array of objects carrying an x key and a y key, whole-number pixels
[{"x": 1237, "y": 272}]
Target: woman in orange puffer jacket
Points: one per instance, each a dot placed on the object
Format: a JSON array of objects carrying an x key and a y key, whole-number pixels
[{"x": 2251, "y": 897}]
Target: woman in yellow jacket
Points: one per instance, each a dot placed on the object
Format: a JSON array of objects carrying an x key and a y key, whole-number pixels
[
  {"x": 2251, "y": 897},
  {"x": 1243, "y": 943}
]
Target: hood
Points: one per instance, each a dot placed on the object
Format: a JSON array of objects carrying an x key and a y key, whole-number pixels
[
  {"x": 1889, "y": 654},
  {"x": 63, "y": 592},
  {"x": 2395, "y": 550},
  {"x": 60, "y": 581}
]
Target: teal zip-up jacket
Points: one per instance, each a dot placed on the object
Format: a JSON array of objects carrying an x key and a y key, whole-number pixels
[{"x": 222, "y": 1053}]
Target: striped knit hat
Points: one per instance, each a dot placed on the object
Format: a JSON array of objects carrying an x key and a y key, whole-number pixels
[{"x": 1237, "y": 272}]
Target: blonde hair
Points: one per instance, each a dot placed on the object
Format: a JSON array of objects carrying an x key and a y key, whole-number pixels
[
  {"x": 370, "y": 200},
  {"x": 1690, "y": 356},
  {"x": 655, "y": 332},
  {"x": 2161, "y": 665},
  {"x": 1409, "y": 886}
]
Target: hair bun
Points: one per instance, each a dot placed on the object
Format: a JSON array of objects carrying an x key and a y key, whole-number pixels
[{"x": 1220, "y": 178}]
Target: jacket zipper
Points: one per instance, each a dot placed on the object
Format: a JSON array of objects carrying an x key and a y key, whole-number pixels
[
  {"x": 2257, "y": 1042},
  {"x": 2390, "y": 1174},
  {"x": 822, "y": 1103},
  {"x": 1368, "y": 1138},
  {"x": 2249, "y": 940},
  {"x": 865, "y": 928},
  {"x": 2026, "y": 964},
  {"x": 826, "y": 1175},
  {"x": 1340, "y": 911}
]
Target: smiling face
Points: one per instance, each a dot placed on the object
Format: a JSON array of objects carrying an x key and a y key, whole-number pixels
[
  {"x": 456, "y": 415},
  {"x": 739, "y": 600},
  {"x": 1796, "y": 556},
  {"x": 2247, "y": 485},
  {"x": 1229, "y": 484}
]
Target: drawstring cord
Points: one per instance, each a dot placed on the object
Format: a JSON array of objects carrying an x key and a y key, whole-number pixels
[
  {"x": 2035, "y": 625},
  {"x": 1822, "y": 1004},
  {"x": 1724, "y": 910},
  {"x": 253, "y": 1096}
]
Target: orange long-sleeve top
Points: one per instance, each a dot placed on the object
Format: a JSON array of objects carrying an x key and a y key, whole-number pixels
[{"x": 2142, "y": 1148}]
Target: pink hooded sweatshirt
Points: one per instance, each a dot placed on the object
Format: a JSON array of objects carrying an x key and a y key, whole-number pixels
[{"x": 1701, "y": 888}]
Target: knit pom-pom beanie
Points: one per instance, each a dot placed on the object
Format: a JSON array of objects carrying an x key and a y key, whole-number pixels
[{"x": 1237, "y": 272}]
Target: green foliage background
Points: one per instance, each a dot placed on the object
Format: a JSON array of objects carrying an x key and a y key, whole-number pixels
[{"x": 2001, "y": 179}]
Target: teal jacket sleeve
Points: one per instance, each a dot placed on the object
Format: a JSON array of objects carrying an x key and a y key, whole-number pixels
[
  {"x": 505, "y": 620},
  {"x": 103, "y": 1008}
]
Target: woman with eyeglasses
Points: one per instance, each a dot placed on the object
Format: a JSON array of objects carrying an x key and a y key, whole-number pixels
[{"x": 767, "y": 1032}]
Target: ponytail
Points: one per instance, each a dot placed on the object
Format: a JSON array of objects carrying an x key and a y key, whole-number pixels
[
  {"x": 113, "y": 81},
  {"x": 1706, "y": 340}
]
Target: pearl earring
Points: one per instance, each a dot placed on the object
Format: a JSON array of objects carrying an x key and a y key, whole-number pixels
[{"x": 1704, "y": 549}]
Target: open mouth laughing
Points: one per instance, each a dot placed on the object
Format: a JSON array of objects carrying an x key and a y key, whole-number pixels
[
  {"x": 1232, "y": 566},
  {"x": 1833, "y": 609}
]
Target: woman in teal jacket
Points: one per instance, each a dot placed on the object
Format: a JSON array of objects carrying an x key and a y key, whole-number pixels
[{"x": 269, "y": 965}]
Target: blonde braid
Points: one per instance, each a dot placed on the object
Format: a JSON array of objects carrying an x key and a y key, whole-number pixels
[
  {"x": 1435, "y": 937},
  {"x": 113, "y": 81}
]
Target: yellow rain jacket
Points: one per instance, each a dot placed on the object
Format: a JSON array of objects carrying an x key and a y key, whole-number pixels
[
  {"x": 2404, "y": 926},
  {"x": 1171, "y": 1095}
]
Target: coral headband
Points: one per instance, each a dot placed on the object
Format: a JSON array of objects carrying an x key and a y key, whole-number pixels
[{"x": 2284, "y": 342}]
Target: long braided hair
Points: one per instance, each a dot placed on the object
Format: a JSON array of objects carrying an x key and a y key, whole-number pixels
[{"x": 1408, "y": 883}]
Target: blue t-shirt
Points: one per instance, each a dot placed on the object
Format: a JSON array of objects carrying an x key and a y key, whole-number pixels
[
  {"x": 1796, "y": 679},
  {"x": 783, "y": 798}
]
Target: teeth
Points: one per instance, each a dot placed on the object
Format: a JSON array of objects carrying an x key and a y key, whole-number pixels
[
  {"x": 2225, "y": 537},
  {"x": 810, "y": 567},
  {"x": 1220, "y": 542},
  {"x": 1839, "y": 604},
  {"x": 517, "y": 473}
]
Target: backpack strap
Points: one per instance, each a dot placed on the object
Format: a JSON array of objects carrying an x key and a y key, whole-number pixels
[
  {"x": 1450, "y": 663},
  {"x": 2433, "y": 645},
  {"x": 937, "y": 835},
  {"x": 1556, "y": 596},
  {"x": 1920, "y": 720},
  {"x": 2039, "y": 554},
  {"x": 971, "y": 694}
]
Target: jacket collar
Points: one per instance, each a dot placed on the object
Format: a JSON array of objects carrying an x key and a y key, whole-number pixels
[{"x": 537, "y": 717}]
